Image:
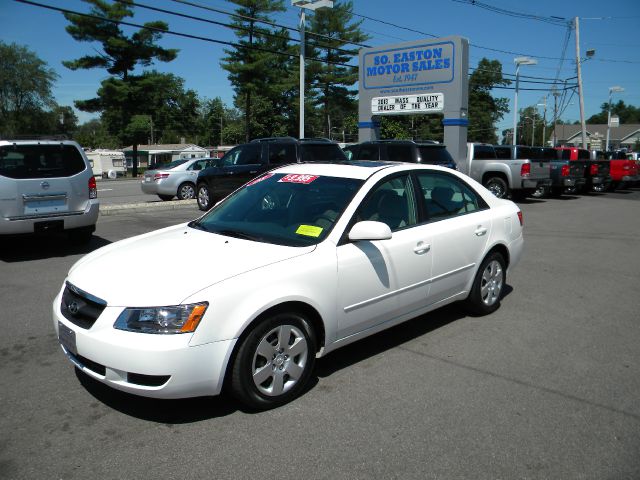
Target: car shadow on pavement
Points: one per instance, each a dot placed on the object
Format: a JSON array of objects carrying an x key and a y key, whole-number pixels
[
  {"x": 40, "y": 247},
  {"x": 190, "y": 410},
  {"x": 187, "y": 410},
  {"x": 393, "y": 337}
]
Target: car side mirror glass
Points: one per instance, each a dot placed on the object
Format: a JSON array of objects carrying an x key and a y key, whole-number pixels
[{"x": 370, "y": 230}]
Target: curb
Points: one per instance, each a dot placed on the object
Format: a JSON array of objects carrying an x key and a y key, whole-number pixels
[{"x": 120, "y": 209}]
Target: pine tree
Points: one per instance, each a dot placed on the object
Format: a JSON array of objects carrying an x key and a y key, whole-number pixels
[{"x": 333, "y": 37}]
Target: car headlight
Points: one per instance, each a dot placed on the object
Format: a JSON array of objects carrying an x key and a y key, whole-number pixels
[{"x": 173, "y": 319}]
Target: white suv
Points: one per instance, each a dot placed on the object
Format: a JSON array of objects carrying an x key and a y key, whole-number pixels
[{"x": 47, "y": 186}]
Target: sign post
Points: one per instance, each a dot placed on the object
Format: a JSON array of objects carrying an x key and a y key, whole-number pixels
[{"x": 416, "y": 77}]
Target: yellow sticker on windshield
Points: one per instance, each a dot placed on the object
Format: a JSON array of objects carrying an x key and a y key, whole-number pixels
[{"x": 309, "y": 230}]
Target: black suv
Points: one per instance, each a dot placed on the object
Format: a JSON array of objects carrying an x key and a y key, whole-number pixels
[
  {"x": 249, "y": 160},
  {"x": 402, "y": 151}
]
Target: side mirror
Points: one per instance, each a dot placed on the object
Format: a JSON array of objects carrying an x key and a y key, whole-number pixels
[{"x": 369, "y": 230}]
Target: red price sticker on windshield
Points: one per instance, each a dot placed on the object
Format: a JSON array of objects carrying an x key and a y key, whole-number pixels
[{"x": 298, "y": 178}]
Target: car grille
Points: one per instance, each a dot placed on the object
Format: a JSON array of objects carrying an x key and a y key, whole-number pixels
[{"x": 79, "y": 307}]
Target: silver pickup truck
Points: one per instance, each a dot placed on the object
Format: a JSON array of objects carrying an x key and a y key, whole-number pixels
[{"x": 515, "y": 176}]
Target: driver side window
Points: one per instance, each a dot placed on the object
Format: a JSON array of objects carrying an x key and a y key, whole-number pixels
[{"x": 391, "y": 202}]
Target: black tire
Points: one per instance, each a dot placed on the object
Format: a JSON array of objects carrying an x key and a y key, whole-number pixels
[
  {"x": 165, "y": 198},
  {"x": 488, "y": 285},
  {"x": 540, "y": 192},
  {"x": 260, "y": 382},
  {"x": 186, "y": 191},
  {"x": 497, "y": 186},
  {"x": 81, "y": 236},
  {"x": 203, "y": 197}
]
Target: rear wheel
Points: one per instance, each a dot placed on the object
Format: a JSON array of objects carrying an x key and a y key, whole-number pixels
[
  {"x": 275, "y": 361},
  {"x": 203, "y": 197},
  {"x": 186, "y": 191},
  {"x": 497, "y": 186},
  {"x": 486, "y": 291}
]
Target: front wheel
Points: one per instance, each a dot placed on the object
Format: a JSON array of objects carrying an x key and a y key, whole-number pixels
[
  {"x": 274, "y": 362},
  {"x": 486, "y": 291},
  {"x": 497, "y": 186},
  {"x": 203, "y": 198}
]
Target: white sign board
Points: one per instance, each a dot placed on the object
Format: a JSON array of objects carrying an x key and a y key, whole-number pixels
[{"x": 425, "y": 103}]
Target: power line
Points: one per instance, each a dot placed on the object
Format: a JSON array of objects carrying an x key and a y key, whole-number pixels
[
  {"x": 180, "y": 34},
  {"x": 560, "y": 21}
]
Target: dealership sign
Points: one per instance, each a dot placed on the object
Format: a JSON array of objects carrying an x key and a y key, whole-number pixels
[{"x": 428, "y": 76}]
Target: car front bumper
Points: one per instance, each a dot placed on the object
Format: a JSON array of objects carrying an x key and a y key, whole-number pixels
[{"x": 158, "y": 366}]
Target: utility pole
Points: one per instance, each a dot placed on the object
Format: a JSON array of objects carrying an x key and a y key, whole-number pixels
[
  {"x": 580, "y": 92},
  {"x": 556, "y": 94}
]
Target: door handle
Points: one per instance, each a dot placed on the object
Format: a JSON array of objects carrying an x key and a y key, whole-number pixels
[
  {"x": 480, "y": 231},
  {"x": 421, "y": 248}
]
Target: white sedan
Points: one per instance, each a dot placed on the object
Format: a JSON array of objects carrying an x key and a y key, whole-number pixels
[{"x": 298, "y": 262}]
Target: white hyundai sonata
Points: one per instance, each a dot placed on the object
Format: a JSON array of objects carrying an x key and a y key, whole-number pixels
[{"x": 296, "y": 263}]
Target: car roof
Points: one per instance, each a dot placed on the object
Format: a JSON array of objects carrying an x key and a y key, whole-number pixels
[{"x": 358, "y": 170}]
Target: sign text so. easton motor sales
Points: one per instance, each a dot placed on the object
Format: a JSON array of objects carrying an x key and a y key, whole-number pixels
[{"x": 420, "y": 65}]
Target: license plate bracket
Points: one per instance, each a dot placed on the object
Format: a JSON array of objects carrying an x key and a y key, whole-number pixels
[{"x": 67, "y": 339}]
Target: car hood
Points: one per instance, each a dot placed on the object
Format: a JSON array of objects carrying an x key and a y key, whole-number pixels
[{"x": 167, "y": 266}]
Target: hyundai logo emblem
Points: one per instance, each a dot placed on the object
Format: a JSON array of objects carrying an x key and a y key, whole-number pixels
[
  {"x": 73, "y": 308},
  {"x": 44, "y": 185}
]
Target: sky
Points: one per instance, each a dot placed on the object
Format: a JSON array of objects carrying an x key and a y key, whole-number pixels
[{"x": 496, "y": 29}]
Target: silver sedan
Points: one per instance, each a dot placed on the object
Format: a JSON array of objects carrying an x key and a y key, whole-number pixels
[{"x": 175, "y": 179}]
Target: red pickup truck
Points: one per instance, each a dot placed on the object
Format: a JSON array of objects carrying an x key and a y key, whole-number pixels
[{"x": 624, "y": 172}]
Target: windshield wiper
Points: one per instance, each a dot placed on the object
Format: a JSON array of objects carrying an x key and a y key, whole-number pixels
[{"x": 238, "y": 234}]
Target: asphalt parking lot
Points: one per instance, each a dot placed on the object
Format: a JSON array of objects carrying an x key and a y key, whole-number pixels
[{"x": 548, "y": 387}]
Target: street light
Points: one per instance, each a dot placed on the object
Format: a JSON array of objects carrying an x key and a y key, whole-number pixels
[
  {"x": 519, "y": 61},
  {"x": 306, "y": 5},
  {"x": 611, "y": 90}
]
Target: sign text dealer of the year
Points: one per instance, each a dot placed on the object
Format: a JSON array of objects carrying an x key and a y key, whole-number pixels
[{"x": 433, "y": 102}]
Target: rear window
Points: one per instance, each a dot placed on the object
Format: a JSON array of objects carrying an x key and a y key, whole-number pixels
[
  {"x": 565, "y": 154},
  {"x": 399, "y": 153},
  {"x": 503, "y": 153},
  {"x": 435, "y": 155},
  {"x": 583, "y": 154},
  {"x": 40, "y": 161},
  {"x": 327, "y": 152},
  {"x": 481, "y": 152}
]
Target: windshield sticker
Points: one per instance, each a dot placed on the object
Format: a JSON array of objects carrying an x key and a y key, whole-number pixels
[
  {"x": 298, "y": 178},
  {"x": 309, "y": 230},
  {"x": 259, "y": 179}
]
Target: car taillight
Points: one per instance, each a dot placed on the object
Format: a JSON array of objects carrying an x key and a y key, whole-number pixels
[
  {"x": 565, "y": 171},
  {"x": 525, "y": 170},
  {"x": 93, "y": 188},
  {"x": 594, "y": 169},
  {"x": 520, "y": 218},
  {"x": 160, "y": 176}
]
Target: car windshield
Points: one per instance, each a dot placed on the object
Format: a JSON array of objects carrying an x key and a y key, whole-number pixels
[
  {"x": 167, "y": 166},
  {"x": 293, "y": 210}
]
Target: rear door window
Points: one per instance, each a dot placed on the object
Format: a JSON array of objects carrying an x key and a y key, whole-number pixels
[{"x": 40, "y": 161}]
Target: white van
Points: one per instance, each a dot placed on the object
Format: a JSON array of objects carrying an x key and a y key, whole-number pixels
[
  {"x": 46, "y": 186},
  {"x": 107, "y": 163}
]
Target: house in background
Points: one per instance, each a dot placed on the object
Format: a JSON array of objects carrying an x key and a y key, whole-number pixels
[
  {"x": 161, "y": 154},
  {"x": 624, "y": 136}
]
